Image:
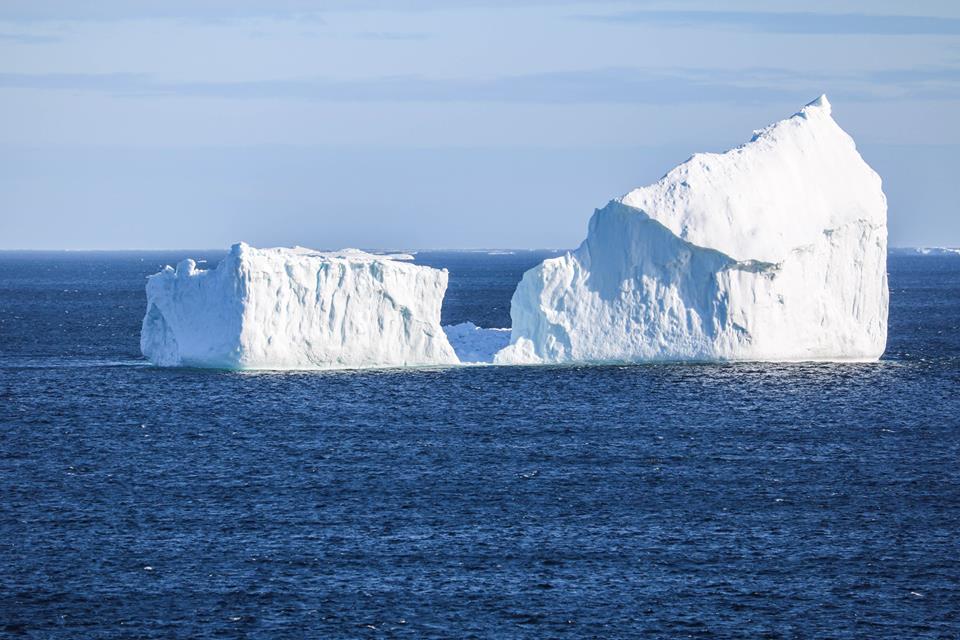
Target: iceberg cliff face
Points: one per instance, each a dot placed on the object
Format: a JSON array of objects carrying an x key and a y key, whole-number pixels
[
  {"x": 775, "y": 250},
  {"x": 296, "y": 309}
]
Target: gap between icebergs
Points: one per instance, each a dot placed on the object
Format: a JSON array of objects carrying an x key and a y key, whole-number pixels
[{"x": 476, "y": 345}]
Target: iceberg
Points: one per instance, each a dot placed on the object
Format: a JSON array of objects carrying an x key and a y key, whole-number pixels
[
  {"x": 773, "y": 251},
  {"x": 296, "y": 309}
]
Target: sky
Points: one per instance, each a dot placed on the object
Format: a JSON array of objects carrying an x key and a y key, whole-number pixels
[{"x": 419, "y": 124}]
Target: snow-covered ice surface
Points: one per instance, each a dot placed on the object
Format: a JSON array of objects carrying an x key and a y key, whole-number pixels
[
  {"x": 296, "y": 309},
  {"x": 475, "y": 344},
  {"x": 775, "y": 250}
]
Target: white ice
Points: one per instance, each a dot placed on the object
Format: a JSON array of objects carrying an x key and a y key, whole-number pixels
[
  {"x": 775, "y": 250},
  {"x": 475, "y": 344}
]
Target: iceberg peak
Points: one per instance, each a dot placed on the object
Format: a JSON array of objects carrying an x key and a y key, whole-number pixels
[
  {"x": 820, "y": 103},
  {"x": 771, "y": 194}
]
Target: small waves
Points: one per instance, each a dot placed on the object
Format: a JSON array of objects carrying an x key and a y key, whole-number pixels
[{"x": 59, "y": 362}]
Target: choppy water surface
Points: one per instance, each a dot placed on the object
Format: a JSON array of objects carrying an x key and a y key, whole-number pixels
[{"x": 652, "y": 501}]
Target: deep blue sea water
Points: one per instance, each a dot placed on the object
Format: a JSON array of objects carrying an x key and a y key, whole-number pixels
[{"x": 714, "y": 501}]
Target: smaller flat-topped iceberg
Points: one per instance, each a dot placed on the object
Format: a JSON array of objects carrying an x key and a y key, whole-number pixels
[{"x": 296, "y": 309}]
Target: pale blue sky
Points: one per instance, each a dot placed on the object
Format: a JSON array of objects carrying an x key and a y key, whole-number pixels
[{"x": 439, "y": 124}]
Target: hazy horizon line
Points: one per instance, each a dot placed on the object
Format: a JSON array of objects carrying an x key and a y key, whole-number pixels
[{"x": 392, "y": 250}]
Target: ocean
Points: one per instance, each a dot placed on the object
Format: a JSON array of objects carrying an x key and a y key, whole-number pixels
[{"x": 674, "y": 501}]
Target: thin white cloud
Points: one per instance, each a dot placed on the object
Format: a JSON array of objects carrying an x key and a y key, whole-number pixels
[
  {"x": 806, "y": 23},
  {"x": 606, "y": 85}
]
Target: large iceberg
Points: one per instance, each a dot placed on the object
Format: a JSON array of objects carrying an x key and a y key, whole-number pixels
[
  {"x": 775, "y": 250},
  {"x": 296, "y": 309}
]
